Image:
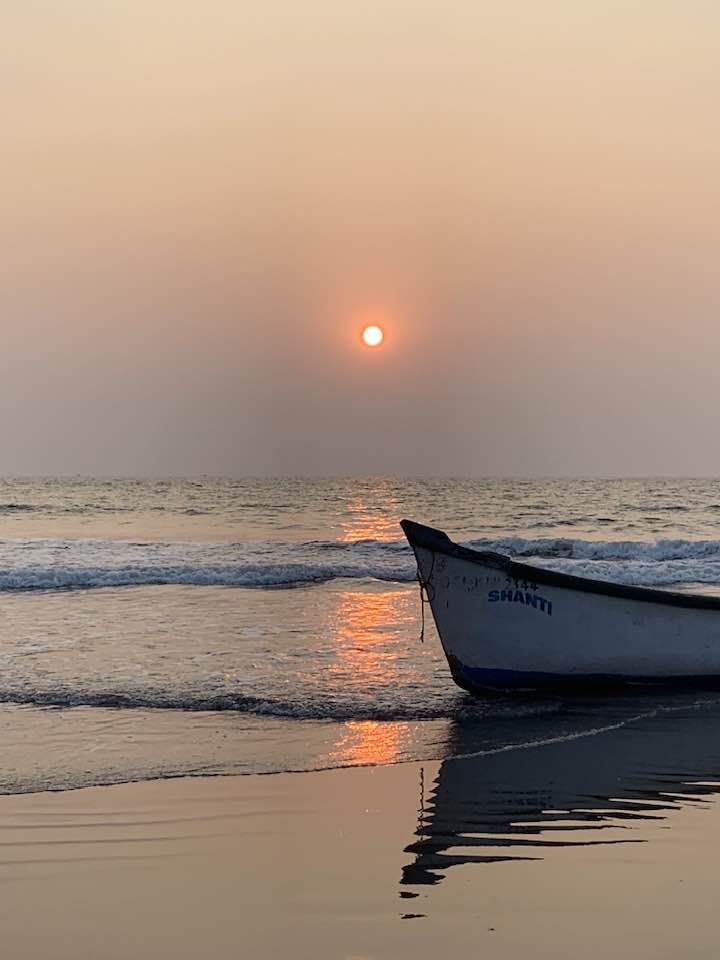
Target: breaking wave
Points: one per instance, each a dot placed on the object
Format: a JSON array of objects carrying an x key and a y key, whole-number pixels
[
  {"x": 90, "y": 564},
  {"x": 239, "y": 575},
  {"x": 659, "y": 563},
  {"x": 619, "y": 550}
]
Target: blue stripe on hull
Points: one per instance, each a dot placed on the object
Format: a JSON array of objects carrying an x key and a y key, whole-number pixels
[{"x": 480, "y": 679}]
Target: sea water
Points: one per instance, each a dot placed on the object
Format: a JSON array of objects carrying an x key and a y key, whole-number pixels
[{"x": 157, "y": 628}]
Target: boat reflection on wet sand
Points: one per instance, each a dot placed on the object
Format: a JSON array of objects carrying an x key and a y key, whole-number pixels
[{"x": 589, "y": 775}]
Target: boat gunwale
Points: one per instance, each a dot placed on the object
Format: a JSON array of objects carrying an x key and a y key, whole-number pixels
[{"x": 438, "y": 541}]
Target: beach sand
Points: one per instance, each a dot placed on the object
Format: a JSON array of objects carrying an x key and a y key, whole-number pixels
[{"x": 317, "y": 865}]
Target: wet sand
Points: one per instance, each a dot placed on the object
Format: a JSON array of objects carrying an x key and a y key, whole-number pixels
[{"x": 383, "y": 862}]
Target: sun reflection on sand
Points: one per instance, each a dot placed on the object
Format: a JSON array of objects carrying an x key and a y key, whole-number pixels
[{"x": 367, "y": 742}]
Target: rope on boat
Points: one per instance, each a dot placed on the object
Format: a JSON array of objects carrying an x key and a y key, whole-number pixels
[{"x": 425, "y": 596}]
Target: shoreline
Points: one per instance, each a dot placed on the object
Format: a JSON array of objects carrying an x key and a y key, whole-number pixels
[{"x": 336, "y": 863}]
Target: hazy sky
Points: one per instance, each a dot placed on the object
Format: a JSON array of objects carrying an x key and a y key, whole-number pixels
[{"x": 202, "y": 201}]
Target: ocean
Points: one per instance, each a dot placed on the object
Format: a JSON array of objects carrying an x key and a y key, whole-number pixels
[{"x": 185, "y": 627}]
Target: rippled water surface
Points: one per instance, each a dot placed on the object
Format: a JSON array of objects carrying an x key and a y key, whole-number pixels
[{"x": 149, "y": 627}]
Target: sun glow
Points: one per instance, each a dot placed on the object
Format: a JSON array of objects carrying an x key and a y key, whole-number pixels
[{"x": 373, "y": 336}]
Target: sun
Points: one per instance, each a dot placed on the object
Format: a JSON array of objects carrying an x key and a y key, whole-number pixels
[{"x": 373, "y": 336}]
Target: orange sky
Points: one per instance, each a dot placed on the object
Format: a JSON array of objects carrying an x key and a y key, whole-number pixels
[{"x": 200, "y": 200}]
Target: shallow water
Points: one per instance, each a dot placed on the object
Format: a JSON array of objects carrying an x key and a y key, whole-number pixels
[{"x": 144, "y": 635}]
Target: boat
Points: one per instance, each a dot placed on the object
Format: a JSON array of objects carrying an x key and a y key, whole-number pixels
[{"x": 506, "y": 625}]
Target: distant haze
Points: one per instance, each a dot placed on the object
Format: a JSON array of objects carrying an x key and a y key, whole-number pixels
[{"x": 202, "y": 201}]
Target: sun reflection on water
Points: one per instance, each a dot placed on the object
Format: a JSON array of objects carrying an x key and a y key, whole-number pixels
[
  {"x": 371, "y": 654},
  {"x": 372, "y": 516},
  {"x": 368, "y": 631}
]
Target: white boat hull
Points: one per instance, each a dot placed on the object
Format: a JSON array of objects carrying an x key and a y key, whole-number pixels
[{"x": 508, "y": 625}]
